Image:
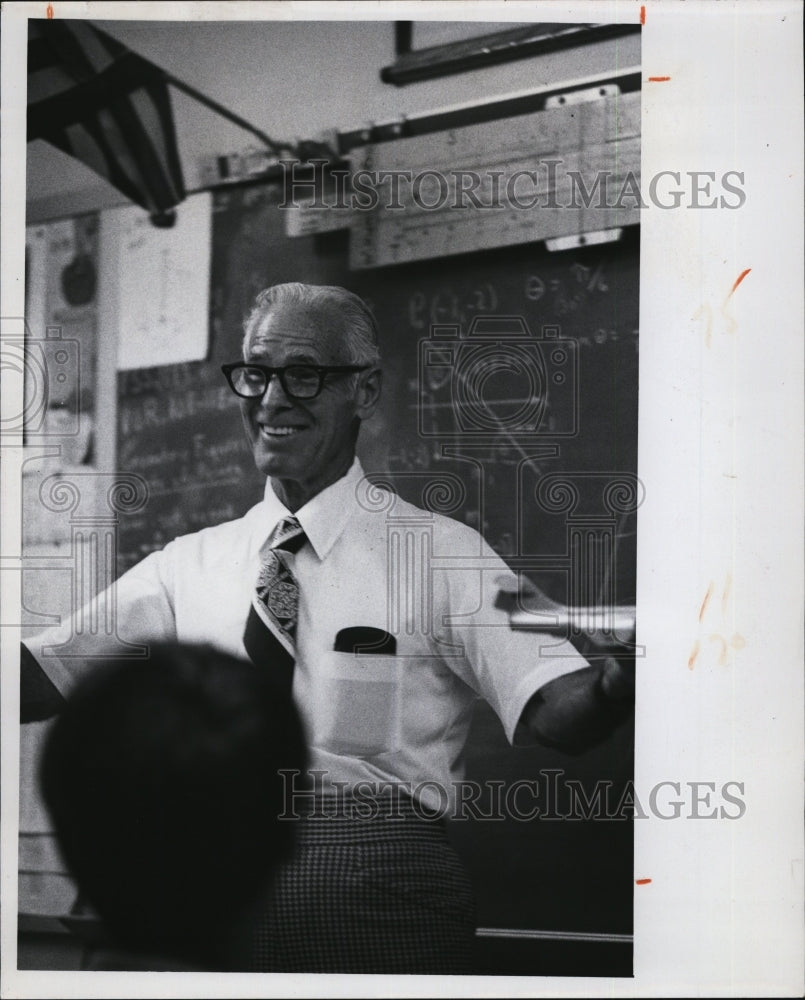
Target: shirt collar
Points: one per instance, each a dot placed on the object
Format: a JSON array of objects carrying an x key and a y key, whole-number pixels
[{"x": 322, "y": 518}]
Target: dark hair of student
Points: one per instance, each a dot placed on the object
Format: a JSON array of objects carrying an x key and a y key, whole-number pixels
[{"x": 161, "y": 778}]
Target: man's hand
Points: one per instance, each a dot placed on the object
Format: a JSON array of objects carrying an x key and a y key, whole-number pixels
[
  {"x": 580, "y": 709},
  {"x": 617, "y": 678}
]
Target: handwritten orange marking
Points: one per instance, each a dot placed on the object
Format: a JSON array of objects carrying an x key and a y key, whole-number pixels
[
  {"x": 642, "y": 881},
  {"x": 707, "y": 597},
  {"x": 736, "y": 642},
  {"x": 706, "y": 311},
  {"x": 732, "y": 323},
  {"x": 50, "y": 11},
  {"x": 693, "y": 654},
  {"x": 659, "y": 79},
  {"x": 722, "y": 657},
  {"x": 739, "y": 279},
  {"x": 642, "y": 13},
  {"x": 726, "y": 594}
]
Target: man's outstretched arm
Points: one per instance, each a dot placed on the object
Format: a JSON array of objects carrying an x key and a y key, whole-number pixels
[{"x": 580, "y": 709}]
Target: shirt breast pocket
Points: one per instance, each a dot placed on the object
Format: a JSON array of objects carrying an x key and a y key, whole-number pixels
[{"x": 358, "y": 704}]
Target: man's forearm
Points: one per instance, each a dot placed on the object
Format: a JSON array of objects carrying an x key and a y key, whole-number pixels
[{"x": 580, "y": 709}]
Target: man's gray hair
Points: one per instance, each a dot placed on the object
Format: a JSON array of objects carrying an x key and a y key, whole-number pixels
[{"x": 360, "y": 326}]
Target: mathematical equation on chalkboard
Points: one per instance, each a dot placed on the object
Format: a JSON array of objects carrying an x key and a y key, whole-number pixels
[{"x": 561, "y": 296}]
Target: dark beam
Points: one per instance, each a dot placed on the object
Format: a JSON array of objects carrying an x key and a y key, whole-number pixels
[
  {"x": 500, "y": 47},
  {"x": 403, "y": 34}
]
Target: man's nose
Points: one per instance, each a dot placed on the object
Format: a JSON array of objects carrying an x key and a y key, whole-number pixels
[{"x": 274, "y": 395}]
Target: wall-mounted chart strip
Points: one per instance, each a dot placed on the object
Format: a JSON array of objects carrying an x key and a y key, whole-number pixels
[{"x": 563, "y": 171}]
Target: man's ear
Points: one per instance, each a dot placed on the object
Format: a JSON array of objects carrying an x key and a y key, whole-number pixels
[{"x": 368, "y": 392}]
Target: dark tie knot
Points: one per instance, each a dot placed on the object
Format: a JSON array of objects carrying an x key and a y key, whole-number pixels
[{"x": 288, "y": 535}]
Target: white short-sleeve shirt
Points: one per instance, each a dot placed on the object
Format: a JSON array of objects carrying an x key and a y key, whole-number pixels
[{"x": 372, "y": 560}]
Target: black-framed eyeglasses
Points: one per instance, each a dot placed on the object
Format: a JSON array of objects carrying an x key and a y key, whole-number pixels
[{"x": 250, "y": 381}]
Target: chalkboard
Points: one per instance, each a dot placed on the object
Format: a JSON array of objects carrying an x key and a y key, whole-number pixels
[
  {"x": 527, "y": 452},
  {"x": 509, "y": 375}
]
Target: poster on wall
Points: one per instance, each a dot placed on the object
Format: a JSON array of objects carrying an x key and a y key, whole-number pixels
[{"x": 170, "y": 324}]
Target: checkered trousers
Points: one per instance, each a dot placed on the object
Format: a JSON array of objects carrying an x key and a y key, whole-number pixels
[{"x": 379, "y": 895}]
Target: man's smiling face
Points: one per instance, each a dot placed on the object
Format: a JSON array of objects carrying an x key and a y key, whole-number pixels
[{"x": 304, "y": 445}]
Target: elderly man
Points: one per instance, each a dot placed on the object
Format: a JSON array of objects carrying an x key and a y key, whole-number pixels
[{"x": 385, "y": 660}]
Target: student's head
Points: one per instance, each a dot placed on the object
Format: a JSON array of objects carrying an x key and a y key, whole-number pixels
[
  {"x": 161, "y": 778},
  {"x": 303, "y": 432}
]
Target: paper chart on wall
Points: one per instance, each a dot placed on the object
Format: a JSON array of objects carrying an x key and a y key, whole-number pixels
[{"x": 169, "y": 323}]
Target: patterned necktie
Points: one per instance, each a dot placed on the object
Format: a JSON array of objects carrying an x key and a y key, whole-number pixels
[{"x": 270, "y": 633}]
